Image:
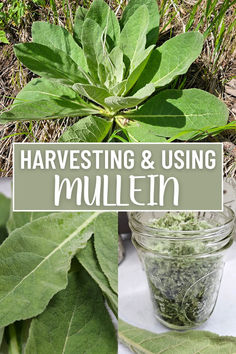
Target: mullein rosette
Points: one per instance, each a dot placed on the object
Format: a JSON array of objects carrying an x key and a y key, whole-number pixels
[{"x": 110, "y": 71}]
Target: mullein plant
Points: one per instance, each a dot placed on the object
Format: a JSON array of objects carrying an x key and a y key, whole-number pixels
[{"x": 110, "y": 73}]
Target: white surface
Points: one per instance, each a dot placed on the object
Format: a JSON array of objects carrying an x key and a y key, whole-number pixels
[
  {"x": 135, "y": 306},
  {"x": 5, "y": 186}
]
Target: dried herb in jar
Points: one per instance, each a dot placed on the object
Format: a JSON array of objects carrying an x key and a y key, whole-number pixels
[{"x": 183, "y": 284}]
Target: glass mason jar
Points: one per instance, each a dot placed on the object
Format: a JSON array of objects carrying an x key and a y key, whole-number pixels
[{"x": 183, "y": 268}]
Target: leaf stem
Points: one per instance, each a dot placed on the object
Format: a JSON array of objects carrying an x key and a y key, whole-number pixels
[{"x": 13, "y": 344}]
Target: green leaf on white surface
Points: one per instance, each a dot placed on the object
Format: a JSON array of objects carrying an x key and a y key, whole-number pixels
[
  {"x": 50, "y": 63},
  {"x": 117, "y": 103},
  {"x": 58, "y": 37},
  {"x": 173, "y": 111},
  {"x": 133, "y": 36},
  {"x": 89, "y": 129},
  {"x": 101, "y": 13},
  {"x": 88, "y": 258},
  {"x": 37, "y": 256},
  {"x": 189, "y": 342},
  {"x": 83, "y": 324},
  {"x": 106, "y": 244},
  {"x": 153, "y": 26},
  {"x": 173, "y": 58}
]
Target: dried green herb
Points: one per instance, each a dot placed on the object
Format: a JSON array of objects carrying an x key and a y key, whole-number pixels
[
  {"x": 184, "y": 285},
  {"x": 180, "y": 222}
]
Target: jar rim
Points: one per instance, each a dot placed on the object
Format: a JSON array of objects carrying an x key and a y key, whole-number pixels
[
  {"x": 166, "y": 234},
  {"x": 137, "y": 245}
]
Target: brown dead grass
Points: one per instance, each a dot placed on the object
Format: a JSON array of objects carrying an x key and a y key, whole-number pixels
[{"x": 202, "y": 74}]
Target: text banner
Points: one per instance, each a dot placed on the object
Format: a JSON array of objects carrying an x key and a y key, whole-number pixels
[{"x": 117, "y": 176}]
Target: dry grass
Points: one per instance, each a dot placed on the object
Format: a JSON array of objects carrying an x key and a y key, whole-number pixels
[{"x": 213, "y": 71}]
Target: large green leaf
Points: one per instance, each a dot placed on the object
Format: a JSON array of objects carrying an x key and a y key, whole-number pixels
[
  {"x": 50, "y": 63},
  {"x": 75, "y": 321},
  {"x": 140, "y": 132},
  {"x": 88, "y": 258},
  {"x": 19, "y": 219},
  {"x": 94, "y": 93},
  {"x": 5, "y": 204},
  {"x": 93, "y": 46},
  {"x": 153, "y": 26},
  {"x": 189, "y": 342},
  {"x": 80, "y": 15},
  {"x": 101, "y": 13},
  {"x": 43, "y": 89},
  {"x": 133, "y": 36},
  {"x": 89, "y": 129},
  {"x": 46, "y": 109},
  {"x": 173, "y": 58},
  {"x": 135, "y": 74},
  {"x": 51, "y": 35},
  {"x": 35, "y": 259},
  {"x": 111, "y": 70},
  {"x": 116, "y": 58},
  {"x": 117, "y": 103},
  {"x": 173, "y": 111},
  {"x": 61, "y": 100},
  {"x": 106, "y": 244}
]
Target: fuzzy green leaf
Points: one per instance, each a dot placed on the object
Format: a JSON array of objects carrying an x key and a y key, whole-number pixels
[
  {"x": 116, "y": 57},
  {"x": 88, "y": 258},
  {"x": 5, "y": 204},
  {"x": 43, "y": 89},
  {"x": 140, "y": 132},
  {"x": 106, "y": 242},
  {"x": 80, "y": 15},
  {"x": 62, "y": 101},
  {"x": 153, "y": 26},
  {"x": 19, "y": 219},
  {"x": 117, "y": 103},
  {"x": 101, "y": 13},
  {"x": 58, "y": 37},
  {"x": 133, "y": 36},
  {"x": 173, "y": 58},
  {"x": 94, "y": 93},
  {"x": 189, "y": 342},
  {"x": 50, "y": 63},
  {"x": 89, "y": 129},
  {"x": 41, "y": 99},
  {"x": 92, "y": 41},
  {"x": 37, "y": 256},
  {"x": 46, "y": 109},
  {"x": 135, "y": 74},
  {"x": 173, "y": 111},
  {"x": 83, "y": 323}
]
